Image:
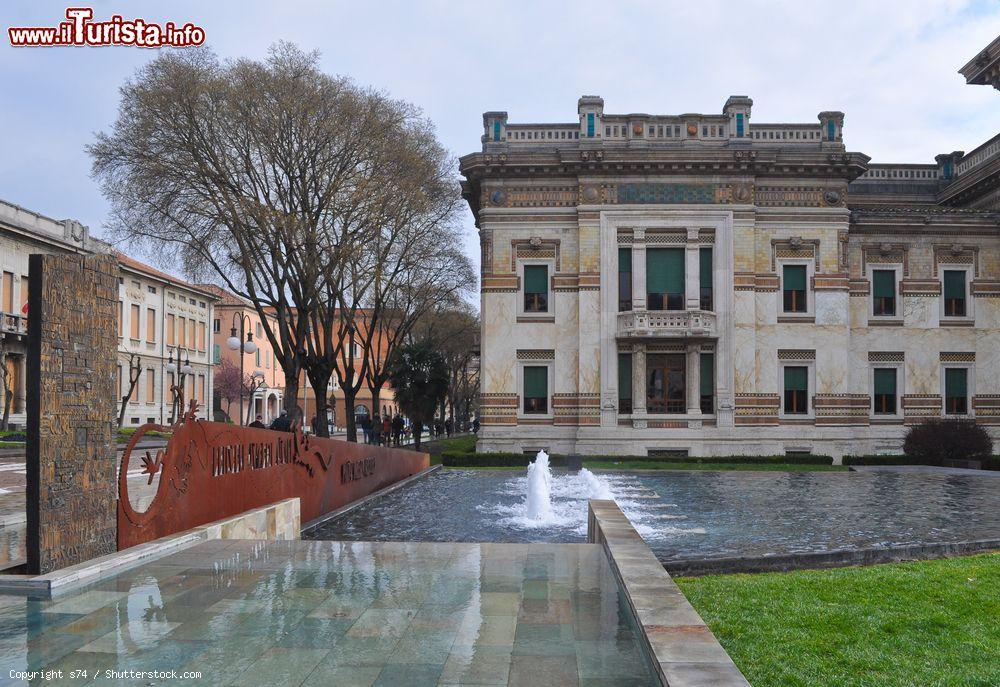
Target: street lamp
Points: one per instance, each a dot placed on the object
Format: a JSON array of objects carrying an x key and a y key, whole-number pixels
[
  {"x": 237, "y": 343},
  {"x": 177, "y": 389}
]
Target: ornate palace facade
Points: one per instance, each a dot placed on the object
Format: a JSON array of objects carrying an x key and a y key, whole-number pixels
[{"x": 704, "y": 284}]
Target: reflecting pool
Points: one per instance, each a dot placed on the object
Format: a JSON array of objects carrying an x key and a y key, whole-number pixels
[
  {"x": 333, "y": 613},
  {"x": 688, "y": 514}
]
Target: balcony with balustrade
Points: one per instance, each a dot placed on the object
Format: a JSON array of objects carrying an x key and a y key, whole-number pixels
[{"x": 666, "y": 324}]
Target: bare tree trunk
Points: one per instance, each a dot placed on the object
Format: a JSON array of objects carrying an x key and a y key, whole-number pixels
[
  {"x": 350, "y": 419},
  {"x": 319, "y": 379},
  {"x": 418, "y": 428},
  {"x": 134, "y": 370}
]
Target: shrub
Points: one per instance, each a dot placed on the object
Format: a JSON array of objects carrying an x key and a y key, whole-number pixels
[
  {"x": 947, "y": 439},
  {"x": 13, "y": 436},
  {"x": 895, "y": 459}
]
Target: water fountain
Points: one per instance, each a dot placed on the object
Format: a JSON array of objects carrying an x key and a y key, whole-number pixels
[{"x": 538, "y": 501}]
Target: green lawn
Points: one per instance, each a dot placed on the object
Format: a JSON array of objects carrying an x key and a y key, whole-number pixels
[{"x": 910, "y": 624}]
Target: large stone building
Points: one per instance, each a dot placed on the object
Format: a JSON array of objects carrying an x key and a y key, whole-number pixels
[
  {"x": 159, "y": 317},
  {"x": 712, "y": 285}
]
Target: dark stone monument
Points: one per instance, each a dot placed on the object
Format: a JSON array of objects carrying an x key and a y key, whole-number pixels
[{"x": 72, "y": 353}]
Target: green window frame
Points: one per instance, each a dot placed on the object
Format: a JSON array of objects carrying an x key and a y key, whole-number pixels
[
  {"x": 954, "y": 293},
  {"x": 796, "y": 386},
  {"x": 707, "y": 382},
  {"x": 793, "y": 286},
  {"x": 705, "y": 278},
  {"x": 624, "y": 279},
  {"x": 883, "y": 292},
  {"x": 884, "y": 390},
  {"x": 625, "y": 383},
  {"x": 956, "y": 390},
  {"x": 665, "y": 278},
  {"x": 536, "y": 288},
  {"x": 536, "y": 389}
]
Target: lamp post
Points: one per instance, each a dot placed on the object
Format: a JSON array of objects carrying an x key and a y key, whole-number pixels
[
  {"x": 177, "y": 389},
  {"x": 237, "y": 343}
]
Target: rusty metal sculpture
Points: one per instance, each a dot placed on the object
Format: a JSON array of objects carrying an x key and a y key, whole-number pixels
[{"x": 212, "y": 470}]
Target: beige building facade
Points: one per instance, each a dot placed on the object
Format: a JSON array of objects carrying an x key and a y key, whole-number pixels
[
  {"x": 159, "y": 317},
  {"x": 708, "y": 285}
]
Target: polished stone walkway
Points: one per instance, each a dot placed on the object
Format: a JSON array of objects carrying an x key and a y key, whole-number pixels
[{"x": 342, "y": 613}]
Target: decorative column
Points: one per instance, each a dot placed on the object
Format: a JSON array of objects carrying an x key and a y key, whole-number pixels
[
  {"x": 639, "y": 269},
  {"x": 639, "y": 385},
  {"x": 692, "y": 271},
  {"x": 692, "y": 380}
]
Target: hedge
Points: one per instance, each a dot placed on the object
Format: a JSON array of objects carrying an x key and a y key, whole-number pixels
[
  {"x": 458, "y": 459},
  {"x": 11, "y": 435}
]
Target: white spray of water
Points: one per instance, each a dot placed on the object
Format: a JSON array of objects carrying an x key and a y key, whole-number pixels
[
  {"x": 596, "y": 487},
  {"x": 538, "y": 501}
]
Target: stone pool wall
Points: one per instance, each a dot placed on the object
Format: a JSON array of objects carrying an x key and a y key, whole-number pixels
[{"x": 680, "y": 644}]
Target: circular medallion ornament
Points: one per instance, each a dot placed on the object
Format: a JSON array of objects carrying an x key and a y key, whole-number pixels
[
  {"x": 498, "y": 197},
  {"x": 741, "y": 194},
  {"x": 832, "y": 197},
  {"x": 590, "y": 194}
]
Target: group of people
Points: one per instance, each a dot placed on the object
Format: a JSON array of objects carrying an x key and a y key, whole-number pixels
[
  {"x": 383, "y": 430},
  {"x": 282, "y": 423}
]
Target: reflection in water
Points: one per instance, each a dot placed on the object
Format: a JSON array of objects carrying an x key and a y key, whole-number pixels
[{"x": 695, "y": 514}]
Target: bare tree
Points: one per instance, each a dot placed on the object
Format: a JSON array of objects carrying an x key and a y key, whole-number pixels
[
  {"x": 453, "y": 329},
  {"x": 134, "y": 372},
  {"x": 261, "y": 175}
]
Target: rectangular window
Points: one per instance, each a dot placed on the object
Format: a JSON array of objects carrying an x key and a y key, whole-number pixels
[
  {"x": 8, "y": 292},
  {"x": 665, "y": 278},
  {"x": 170, "y": 330},
  {"x": 121, "y": 319},
  {"x": 134, "y": 321},
  {"x": 705, "y": 278},
  {"x": 216, "y": 353},
  {"x": 624, "y": 279},
  {"x": 150, "y": 385},
  {"x": 884, "y": 392},
  {"x": 150, "y": 325},
  {"x": 590, "y": 125},
  {"x": 739, "y": 125},
  {"x": 883, "y": 292},
  {"x": 181, "y": 331},
  {"x": 956, "y": 391},
  {"x": 216, "y": 325},
  {"x": 624, "y": 382},
  {"x": 536, "y": 389},
  {"x": 260, "y": 331},
  {"x": 191, "y": 335},
  {"x": 536, "y": 288},
  {"x": 665, "y": 383},
  {"x": 954, "y": 293},
  {"x": 707, "y": 383},
  {"x": 201, "y": 336},
  {"x": 796, "y": 390},
  {"x": 201, "y": 390},
  {"x": 794, "y": 288},
  {"x": 257, "y": 357}
]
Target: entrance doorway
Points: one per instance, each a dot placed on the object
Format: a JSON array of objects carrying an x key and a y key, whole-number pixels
[{"x": 665, "y": 383}]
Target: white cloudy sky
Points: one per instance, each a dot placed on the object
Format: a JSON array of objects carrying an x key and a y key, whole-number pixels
[{"x": 891, "y": 66}]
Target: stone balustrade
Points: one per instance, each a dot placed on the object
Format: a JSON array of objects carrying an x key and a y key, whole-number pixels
[{"x": 674, "y": 324}]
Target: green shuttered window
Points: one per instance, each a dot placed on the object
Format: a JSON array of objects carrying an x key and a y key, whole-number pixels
[
  {"x": 796, "y": 379},
  {"x": 665, "y": 278},
  {"x": 796, "y": 390},
  {"x": 956, "y": 389},
  {"x": 795, "y": 278},
  {"x": 536, "y": 389},
  {"x": 624, "y": 279},
  {"x": 793, "y": 284},
  {"x": 954, "y": 293},
  {"x": 707, "y": 383},
  {"x": 624, "y": 382},
  {"x": 536, "y": 288},
  {"x": 884, "y": 284},
  {"x": 885, "y": 382},
  {"x": 705, "y": 278},
  {"x": 884, "y": 392}
]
